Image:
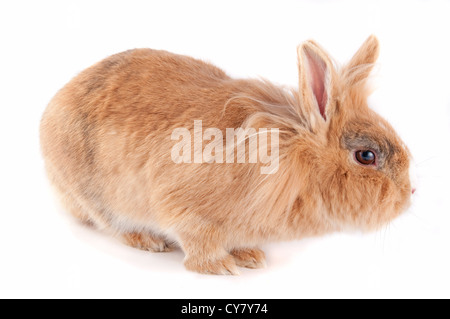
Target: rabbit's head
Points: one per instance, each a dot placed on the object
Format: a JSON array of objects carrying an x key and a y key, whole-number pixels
[{"x": 361, "y": 166}]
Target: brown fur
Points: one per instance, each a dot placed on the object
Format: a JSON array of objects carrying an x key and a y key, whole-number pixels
[{"x": 106, "y": 142}]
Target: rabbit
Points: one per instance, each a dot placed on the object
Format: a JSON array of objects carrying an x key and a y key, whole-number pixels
[{"x": 106, "y": 142}]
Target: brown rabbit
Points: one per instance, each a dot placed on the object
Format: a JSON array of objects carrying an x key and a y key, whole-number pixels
[{"x": 107, "y": 140}]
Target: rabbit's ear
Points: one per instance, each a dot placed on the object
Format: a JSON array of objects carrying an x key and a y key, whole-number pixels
[
  {"x": 315, "y": 78},
  {"x": 361, "y": 64}
]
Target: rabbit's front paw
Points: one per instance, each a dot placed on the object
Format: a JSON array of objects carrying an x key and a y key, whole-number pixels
[
  {"x": 249, "y": 257},
  {"x": 222, "y": 266}
]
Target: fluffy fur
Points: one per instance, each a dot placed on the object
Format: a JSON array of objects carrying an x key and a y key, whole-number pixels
[{"x": 106, "y": 142}]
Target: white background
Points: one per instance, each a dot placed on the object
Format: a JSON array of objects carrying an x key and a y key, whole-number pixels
[{"x": 44, "y": 253}]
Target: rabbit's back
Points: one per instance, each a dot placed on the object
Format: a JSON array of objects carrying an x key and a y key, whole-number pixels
[{"x": 106, "y": 135}]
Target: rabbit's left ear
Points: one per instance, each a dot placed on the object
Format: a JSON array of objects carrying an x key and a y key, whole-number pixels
[{"x": 315, "y": 77}]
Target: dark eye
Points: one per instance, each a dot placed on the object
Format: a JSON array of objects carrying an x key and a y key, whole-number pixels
[{"x": 365, "y": 157}]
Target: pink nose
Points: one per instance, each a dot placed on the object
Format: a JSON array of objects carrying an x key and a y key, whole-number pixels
[{"x": 413, "y": 190}]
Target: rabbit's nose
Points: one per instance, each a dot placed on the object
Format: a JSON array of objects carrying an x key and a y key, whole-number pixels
[{"x": 413, "y": 176}]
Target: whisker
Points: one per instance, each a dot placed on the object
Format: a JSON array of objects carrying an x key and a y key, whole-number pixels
[{"x": 426, "y": 160}]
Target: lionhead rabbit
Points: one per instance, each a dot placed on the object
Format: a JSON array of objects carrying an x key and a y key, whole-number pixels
[{"x": 109, "y": 144}]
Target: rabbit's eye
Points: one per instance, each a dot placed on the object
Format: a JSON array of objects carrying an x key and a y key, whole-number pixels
[{"x": 365, "y": 157}]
